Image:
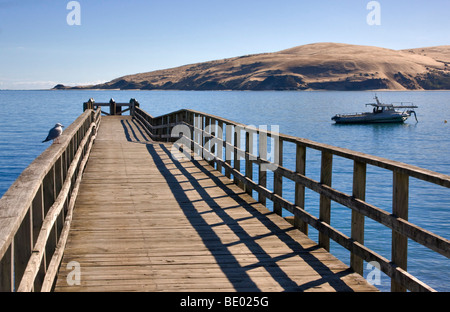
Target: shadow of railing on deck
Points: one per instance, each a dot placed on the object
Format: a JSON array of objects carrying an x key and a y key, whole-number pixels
[
  {"x": 130, "y": 131},
  {"x": 236, "y": 273}
]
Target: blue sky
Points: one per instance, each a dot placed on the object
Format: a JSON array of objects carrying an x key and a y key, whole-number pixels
[{"x": 38, "y": 48}]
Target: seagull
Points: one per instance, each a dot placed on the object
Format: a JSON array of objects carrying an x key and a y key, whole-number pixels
[{"x": 54, "y": 133}]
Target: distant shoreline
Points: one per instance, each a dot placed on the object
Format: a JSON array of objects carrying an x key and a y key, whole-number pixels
[{"x": 313, "y": 67}]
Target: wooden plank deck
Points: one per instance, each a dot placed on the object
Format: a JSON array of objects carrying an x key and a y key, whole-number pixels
[{"x": 144, "y": 222}]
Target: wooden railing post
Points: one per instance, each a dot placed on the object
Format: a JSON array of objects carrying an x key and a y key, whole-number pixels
[
  {"x": 48, "y": 202},
  {"x": 262, "y": 173},
  {"x": 400, "y": 196},
  {"x": 207, "y": 140},
  {"x": 23, "y": 248},
  {"x": 7, "y": 270},
  {"x": 133, "y": 105},
  {"x": 277, "y": 177},
  {"x": 38, "y": 212},
  {"x": 300, "y": 167},
  {"x": 197, "y": 134},
  {"x": 194, "y": 134},
  {"x": 112, "y": 107},
  {"x": 59, "y": 181},
  {"x": 212, "y": 141},
  {"x": 325, "y": 202},
  {"x": 191, "y": 121},
  {"x": 249, "y": 146},
  {"x": 38, "y": 219},
  {"x": 160, "y": 130},
  {"x": 237, "y": 161},
  {"x": 248, "y": 162},
  {"x": 202, "y": 135},
  {"x": 166, "y": 129},
  {"x": 228, "y": 148},
  {"x": 88, "y": 105},
  {"x": 359, "y": 192},
  {"x": 219, "y": 151}
]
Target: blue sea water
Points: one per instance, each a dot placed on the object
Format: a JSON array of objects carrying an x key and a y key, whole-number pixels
[{"x": 26, "y": 117}]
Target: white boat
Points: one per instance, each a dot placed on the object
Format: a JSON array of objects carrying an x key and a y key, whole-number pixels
[{"x": 381, "y": 113}]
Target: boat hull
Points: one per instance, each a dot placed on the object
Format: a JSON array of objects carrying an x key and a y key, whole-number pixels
[{"x": 370, "y": 118}]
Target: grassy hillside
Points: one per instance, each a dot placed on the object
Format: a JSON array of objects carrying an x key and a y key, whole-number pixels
[{"x": 320, "y": 66}]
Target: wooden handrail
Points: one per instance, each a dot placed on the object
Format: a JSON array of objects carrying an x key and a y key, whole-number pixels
[
  {"x": 53, "y": 266},
  {"x": 410, "y": 170},
  {"x": 35, "y": 261},
  {"x": 32, "y": 211},
  {"x": 197, "y": 135}
]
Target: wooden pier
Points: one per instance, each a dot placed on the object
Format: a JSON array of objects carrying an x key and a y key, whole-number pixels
[{"x": 143, "y": 203}]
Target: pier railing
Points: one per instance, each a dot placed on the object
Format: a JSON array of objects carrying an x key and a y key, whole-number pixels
[
  {"x": 115, "y": 109},
  {"x": 222, "y": 143},
  {"x": 36, "y": 211}
]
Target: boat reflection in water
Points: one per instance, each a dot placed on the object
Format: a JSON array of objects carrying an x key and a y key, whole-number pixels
[{"x": 382, "y": 113}]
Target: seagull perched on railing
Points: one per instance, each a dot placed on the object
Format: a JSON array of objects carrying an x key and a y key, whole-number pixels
[{"x": 54, "y": 133}]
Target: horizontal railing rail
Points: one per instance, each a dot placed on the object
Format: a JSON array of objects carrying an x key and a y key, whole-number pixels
[
  {"x": 36, "y": 210},
  {"x": 235, "y": 148}
]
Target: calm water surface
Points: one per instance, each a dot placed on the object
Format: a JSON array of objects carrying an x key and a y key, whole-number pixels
[{"x": 26, "y": 117}]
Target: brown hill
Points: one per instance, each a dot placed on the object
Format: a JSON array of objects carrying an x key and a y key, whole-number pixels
[{"x": 320, "y": 66}]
